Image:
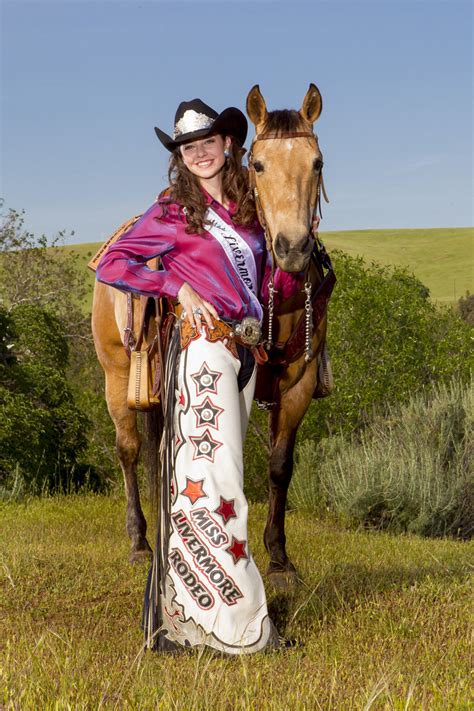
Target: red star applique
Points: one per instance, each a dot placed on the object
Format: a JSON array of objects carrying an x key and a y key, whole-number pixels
[
  {"x": 226, "y": 509},
  {"x": 194, "y": 490},
  {"x": 207, "y": 414},
  {"x": 205, "y": 446},
  {"x": 237, "y": 549},
  {"x": 181, "y": 399}
]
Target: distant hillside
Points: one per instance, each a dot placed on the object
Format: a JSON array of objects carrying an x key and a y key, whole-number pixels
[{"x": 441, "y": 258}]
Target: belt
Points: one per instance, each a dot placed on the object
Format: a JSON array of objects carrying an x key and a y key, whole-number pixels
[{"x": 243, "y": 333}]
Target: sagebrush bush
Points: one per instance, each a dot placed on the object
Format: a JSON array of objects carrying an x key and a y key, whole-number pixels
[
  {"x": 411, "y": 470},
  {"x": 466, "y": 308}
]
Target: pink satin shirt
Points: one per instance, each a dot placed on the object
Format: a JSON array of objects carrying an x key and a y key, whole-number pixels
[{"x": 196, "y": 259}]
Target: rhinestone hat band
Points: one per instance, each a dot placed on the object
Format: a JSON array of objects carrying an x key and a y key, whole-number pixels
[{"x": 191, "y": 121}]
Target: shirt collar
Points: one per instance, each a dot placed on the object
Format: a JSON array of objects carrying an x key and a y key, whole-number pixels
[{"x": 210, "y": 201}]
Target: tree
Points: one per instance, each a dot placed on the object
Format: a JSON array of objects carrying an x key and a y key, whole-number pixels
[
  {"x": 39, "y": 271},
  {"x": 49, "y": 375}
]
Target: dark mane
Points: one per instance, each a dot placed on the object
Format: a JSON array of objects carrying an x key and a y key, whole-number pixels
[{"x": 284, "y": 121}]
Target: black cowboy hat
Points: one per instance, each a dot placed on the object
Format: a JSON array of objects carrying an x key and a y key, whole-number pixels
[{"x": 195, "y": 119}]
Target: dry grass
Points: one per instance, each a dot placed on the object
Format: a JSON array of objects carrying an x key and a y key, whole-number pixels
[{"x": 383, "y": 620}]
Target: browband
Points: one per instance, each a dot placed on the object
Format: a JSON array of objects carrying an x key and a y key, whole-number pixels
[{"x": 289, "y": 134}]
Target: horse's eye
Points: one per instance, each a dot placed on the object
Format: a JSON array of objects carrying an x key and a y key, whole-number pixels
[
  {"x": 258, "y": 166},
  {"x": 317, "y": 165}
]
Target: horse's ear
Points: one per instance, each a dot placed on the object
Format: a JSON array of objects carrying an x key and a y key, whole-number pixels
[
  {"x": 256, "y": 107},
  {"x": 312, "y": 104}
]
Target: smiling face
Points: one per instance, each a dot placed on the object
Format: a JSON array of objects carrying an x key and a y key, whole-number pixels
[{"x": 205, "y": 158}]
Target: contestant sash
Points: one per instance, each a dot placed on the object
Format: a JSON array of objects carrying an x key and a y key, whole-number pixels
[{"x": 239, "y": 254}]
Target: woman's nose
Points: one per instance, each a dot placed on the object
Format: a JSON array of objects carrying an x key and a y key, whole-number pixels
[{"x": 201, "y": 150}]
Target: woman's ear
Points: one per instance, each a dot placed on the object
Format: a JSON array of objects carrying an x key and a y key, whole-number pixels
[{"x": 227, "y": 143}]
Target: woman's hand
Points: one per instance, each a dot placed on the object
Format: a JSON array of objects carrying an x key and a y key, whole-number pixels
[{"x": 195, "y": 309}]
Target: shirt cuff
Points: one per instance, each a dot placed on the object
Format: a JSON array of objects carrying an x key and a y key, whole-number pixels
[{"x": 173, "y": 284}]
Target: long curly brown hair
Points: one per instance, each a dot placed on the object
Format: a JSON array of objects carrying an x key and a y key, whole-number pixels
[{"x": 185, "y": 189}]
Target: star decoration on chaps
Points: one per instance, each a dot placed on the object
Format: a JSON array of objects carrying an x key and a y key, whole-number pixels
[
  {"x": 206, "y": 380},
  {"x": 205, "y": 447},
  {"x": 226, "y": 509},
  {"x": 207, "y": 414},
  {"x": 194, "y": 490},
  {"x": 237, "y": 549}
]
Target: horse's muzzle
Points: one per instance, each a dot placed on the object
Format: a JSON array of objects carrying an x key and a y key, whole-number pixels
[{"x": 293, "y": 254}]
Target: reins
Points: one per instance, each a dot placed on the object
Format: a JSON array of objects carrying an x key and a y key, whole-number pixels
[{"x": 320, "y": 189}]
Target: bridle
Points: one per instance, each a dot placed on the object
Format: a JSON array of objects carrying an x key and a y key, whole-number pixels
[{"x": 320, "y": 189}]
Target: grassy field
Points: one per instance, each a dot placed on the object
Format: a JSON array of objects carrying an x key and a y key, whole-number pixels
[
  {"x": 383, "y": 621},
  {"x": 441, "y": 258}
]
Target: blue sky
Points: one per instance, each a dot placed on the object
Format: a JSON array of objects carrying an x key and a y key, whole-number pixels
[{"x": 84, "y": 83}]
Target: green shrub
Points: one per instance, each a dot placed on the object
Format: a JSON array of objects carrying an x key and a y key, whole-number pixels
[
  {"x": 410, "y": 470},
  {"x": 50, "y": 378},
  {"x": 43, "y": 432},
  {"x": 387, "y": 341}
]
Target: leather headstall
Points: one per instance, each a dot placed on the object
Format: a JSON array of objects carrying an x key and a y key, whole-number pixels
[
  {"x": 274, "y": 136},
  {"x": 284, "y": 353}
]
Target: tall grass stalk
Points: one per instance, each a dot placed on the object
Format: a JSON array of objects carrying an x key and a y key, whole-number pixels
[{"x": 410, "y": 470}]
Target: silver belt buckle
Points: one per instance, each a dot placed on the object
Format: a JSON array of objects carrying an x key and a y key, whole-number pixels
[{"x": 249, "y": 331}]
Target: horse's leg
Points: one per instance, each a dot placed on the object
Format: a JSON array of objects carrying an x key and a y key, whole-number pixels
[
  {"x": 284, "y": 422},
  {"x": 128, "y": 448},
  {"x": 109, "y": 319}
]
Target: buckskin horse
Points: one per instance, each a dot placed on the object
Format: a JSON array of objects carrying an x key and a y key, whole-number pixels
[{"x": 285, "y": 173}]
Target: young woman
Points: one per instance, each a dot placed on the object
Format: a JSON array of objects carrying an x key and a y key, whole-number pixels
[{"x": 204, "y": 587}]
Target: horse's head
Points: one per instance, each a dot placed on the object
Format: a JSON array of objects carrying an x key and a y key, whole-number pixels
[{"x": 285, "y": 166}]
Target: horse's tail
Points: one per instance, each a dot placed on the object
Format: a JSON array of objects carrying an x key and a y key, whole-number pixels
[{"x": 153, "y": 428}]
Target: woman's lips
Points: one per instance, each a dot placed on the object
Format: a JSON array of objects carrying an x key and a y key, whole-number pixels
[{"x": 204, "y": 163}]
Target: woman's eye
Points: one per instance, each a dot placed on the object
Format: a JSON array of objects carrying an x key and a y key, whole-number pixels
[
  {"x": 258, "y": 166},
  {"x": 211, "y": 140}
]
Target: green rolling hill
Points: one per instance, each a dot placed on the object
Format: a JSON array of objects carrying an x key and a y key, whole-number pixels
[{"x": 442, "y": 258}]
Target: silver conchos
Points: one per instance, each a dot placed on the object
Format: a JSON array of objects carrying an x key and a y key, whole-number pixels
[
  {"x": 191, "y": 121},
  {"x": 249, "y": 331}
]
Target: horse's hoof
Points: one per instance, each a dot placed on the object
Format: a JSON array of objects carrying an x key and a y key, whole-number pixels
[
  {"x": 140, "y": 556},
  {"x": 283, "y": 580}
]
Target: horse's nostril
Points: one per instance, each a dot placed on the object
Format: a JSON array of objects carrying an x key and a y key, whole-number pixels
[
  {"x": 282, "y": 245},
  {"x": 306, "y": 244}
]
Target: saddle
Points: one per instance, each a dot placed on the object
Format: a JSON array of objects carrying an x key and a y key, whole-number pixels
[
  {"x": 145, "y": 350},
  {"x": 145, "y": 346}
]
